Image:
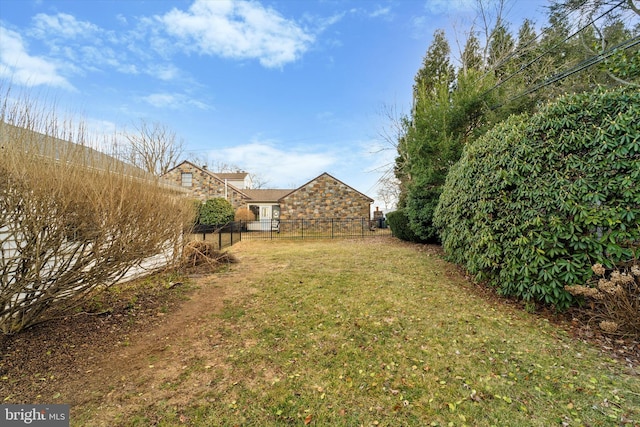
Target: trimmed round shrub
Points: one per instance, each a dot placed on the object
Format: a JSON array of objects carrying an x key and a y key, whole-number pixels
[
  {"x": 398, "y": 222},
  {"x": 538, "y": 200},
  {"x": 216, "y": 211}
]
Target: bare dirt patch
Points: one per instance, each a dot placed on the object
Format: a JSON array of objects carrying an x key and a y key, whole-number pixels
[{"x": 134, "y": 339}]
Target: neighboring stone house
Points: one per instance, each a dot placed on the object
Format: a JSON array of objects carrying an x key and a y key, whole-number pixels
[
  {"x": 205, "y": 185},
  {"x": 325, "y": 197},
  {"x": 322, "y": 197}
]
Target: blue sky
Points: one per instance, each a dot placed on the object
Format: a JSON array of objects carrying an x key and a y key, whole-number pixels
[{"x": 285, "y": 89}]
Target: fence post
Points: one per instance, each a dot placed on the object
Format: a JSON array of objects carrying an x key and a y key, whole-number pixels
[
  {"x": 362, "y": 228},
  {"x": 332, "y": 228}
]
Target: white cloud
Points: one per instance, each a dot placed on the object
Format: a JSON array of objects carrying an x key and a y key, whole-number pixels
[
  {"x": 281, "y": 168},
  {"x": 94, "y": 57},
  {"x": 164, "y": 72},
  {"x": 61, "y": 25},
  {"x": 173, "y": 101},
  {"x": 380, "y": 11},
  {"x": 238, "y": 30},
  {"x": 20, "y": 67},
  {"x": 450, "y": 6}
]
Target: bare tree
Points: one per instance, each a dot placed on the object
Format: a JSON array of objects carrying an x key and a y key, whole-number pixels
[
  {"x": 389, "y": 190},
  {"x": 394, "y": 175},
  {"x": 153, "y": 147},
  {"x": 257, "y": 181}
]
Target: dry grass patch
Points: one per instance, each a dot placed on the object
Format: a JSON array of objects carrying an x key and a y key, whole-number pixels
[
  {"x": 380, "y": 333},
  {"x": 339, "y": 333}
]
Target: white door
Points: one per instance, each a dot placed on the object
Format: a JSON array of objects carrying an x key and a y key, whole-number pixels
[{"x": 265, "y": 213}]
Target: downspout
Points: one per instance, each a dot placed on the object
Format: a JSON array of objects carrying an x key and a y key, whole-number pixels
[{"x": 226, "y": 195}]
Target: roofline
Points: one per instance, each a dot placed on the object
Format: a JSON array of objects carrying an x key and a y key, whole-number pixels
[
  {"x": 274, "y": 200},
  {"x": 330, "y": 176},
  {"x": 211, "y": 174}
]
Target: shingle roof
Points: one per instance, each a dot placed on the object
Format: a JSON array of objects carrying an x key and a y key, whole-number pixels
[
  {"x": 265, "y": 195},
  {"x": 234, "y": 176}
]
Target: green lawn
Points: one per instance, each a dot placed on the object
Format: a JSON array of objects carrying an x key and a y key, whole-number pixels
[{"x": 351, "y": 333}]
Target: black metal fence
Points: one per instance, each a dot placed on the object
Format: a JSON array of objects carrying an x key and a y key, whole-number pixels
[
  {"x": 221, "y": 236},
  {"x": 319, "y": 228}
]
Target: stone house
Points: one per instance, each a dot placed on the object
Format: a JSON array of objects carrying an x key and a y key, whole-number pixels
[
  {"x": 325, "y": 197},
  {"x": 205, "y": 185},
  {"x": 322, "y": 197}
]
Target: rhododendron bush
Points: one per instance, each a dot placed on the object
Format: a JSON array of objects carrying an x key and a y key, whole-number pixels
[{"x": 538, "y": 200}]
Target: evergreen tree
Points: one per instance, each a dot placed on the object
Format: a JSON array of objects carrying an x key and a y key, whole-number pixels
[
  {"x": 527, "y": 53},
  {"x": 448, "y": 109},
  {"x": 471, "y": 55},
  {"x": 436, "y": 66},
  {"x": 501, "y": 47}
]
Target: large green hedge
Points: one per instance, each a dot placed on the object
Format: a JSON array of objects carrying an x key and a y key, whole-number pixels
[{"x": 535, "y": 202}]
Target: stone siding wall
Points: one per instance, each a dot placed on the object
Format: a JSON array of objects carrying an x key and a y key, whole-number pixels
[
  {"x": 324, "y": 197},
  {"x": 204, "y": 186}
]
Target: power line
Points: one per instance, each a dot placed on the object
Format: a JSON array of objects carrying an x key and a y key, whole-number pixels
[
  {"x": 522, "y": 50},
  {"x": 523, "y": 67},
  {"x": 577, "y": 68}
]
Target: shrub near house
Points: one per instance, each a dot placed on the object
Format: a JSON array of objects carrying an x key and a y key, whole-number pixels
[
  {"x": 535, "y": 202},
  {"x": 216, "y": 211}
]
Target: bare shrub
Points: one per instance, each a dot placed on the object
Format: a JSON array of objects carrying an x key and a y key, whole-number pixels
[
  {"x": 72, "y": 220},
  {"x": 244, "y": 214},
  {"x": 613, "y": 298}
]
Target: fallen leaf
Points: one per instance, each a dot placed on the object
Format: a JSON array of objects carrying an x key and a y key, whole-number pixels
[{"x": 308, "y": 419}]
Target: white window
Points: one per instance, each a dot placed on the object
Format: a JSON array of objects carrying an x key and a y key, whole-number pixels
[{"x": 187, "y": 178}]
